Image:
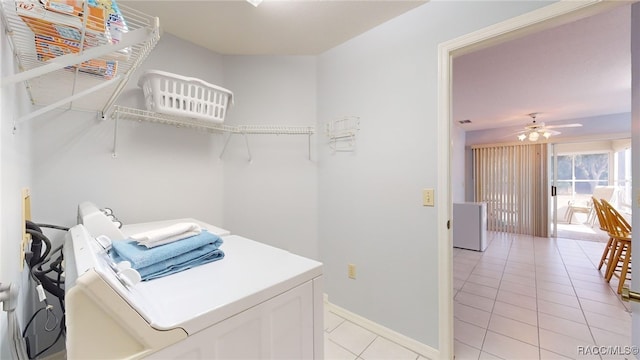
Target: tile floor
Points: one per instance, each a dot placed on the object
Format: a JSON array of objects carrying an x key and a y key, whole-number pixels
[
  {"x": 522, "y": 298},
  {"x": 345, "y": 340},
  {"x": 535, "y": 298}
]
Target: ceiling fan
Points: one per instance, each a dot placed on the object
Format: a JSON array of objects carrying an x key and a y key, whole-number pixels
[{"x": 534, "y": 129}]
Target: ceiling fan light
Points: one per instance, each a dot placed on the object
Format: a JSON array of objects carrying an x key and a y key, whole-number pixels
[
  {"x": 533, "y": 136},
  {"x": 546, "y": 134},
  {"x": 521, "y": 137}
]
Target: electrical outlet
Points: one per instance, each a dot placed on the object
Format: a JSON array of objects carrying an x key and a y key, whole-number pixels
[
  {"x": 351, "y": 271},
  {"x": 26, "y": 215}
]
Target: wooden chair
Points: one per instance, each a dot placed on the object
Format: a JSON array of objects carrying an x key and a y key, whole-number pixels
[
  {"x": 609, "y": 251},
  {"x": 620, "y": 231}
]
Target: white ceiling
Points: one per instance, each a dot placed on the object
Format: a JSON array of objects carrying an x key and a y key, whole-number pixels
[
  {"x": 580, "y": 69},
  {"x": 576, "y": 70},
  {"x": 275, "y": 27}
]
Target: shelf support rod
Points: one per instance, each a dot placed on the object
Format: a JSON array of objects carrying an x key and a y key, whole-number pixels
[
  {"x": 131, "y": 38},
  {"x": 66, "y": 100},
  {"x": 246, "y": 141},
  {"x": 115, "y": 134},
  {"x": 225, "y": 144}
]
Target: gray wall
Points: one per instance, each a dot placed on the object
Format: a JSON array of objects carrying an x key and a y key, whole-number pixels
[
  {"x": 160, "y": 171},
  {"x": 370, "y": 205},
  {"x": 15, "y": 174},
  {"x": 273, "y": 198}
]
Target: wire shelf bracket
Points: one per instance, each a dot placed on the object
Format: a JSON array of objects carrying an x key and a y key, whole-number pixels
[{"x": 342, "y": 133}]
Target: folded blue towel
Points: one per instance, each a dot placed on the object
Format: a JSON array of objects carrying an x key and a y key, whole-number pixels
[{"x": 170, "y": 258}]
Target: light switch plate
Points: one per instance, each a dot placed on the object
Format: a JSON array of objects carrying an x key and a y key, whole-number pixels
[
  {"x": 427, "y": 197},
  {"x": 26, "y": 215}
]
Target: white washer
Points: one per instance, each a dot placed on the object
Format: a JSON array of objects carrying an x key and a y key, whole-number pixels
[{"x": 258, "y": 302}]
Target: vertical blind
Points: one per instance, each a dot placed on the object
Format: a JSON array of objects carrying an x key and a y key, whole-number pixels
[{"x": 512, "y": 180}]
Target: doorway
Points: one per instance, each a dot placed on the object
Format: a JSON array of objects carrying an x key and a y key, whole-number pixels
[{"x": 532, "y": 22}]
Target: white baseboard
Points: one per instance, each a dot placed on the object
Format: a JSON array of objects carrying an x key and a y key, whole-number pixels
[{"x": 409, "y": 343}]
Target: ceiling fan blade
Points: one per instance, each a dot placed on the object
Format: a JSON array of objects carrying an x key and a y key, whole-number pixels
[
  {"x": 552, "y": 132},
  {"x": 562, "y": 126}
]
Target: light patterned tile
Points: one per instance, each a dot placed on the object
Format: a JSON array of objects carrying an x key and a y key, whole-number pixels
[
  {"x": 548, "y": 355},
  {"x": 561, "y": 311},
  {"x": 555, "y": 287},
  {"x": 509, "y": 348},
  {"x": 465, "y": 352},
  {"x": 471, "y": 315},
  {"x": 517, "y": 299},
  {"x": 616, "y": 310},
  {"x": 588, "y": 285},
  {"x": 331, "y": 321},
  {"x": 483, "y": 280},
  {"x": 576, "y": 330},
  {"x": 475, "y": 301},
  {"x": 595, "y": 278},
  {"x": 560, "y": 344},
  {"x": 383, "y": 349},
  {"x": 490, "y": 266},
  {"x": 524, "y": 280},
  {"x": 487, "y": 273},
  {"x": 558, "y": 298},
  {"x": 481, "y": 290},
  {"x": 607, "y": 297},
  {"x": 605, "y": 323},
  {"x": 554, "y": 278},
  {"x": 519, "y": 266},
  {"x": 352, "y": 337},
  {"x": 486, "y": 356},
  {"x": 516, "y": 313},
  {"x": 468, "y": 333},
  {"x": 333, "y": 351},
  {"x": 515, "y": 329},
  {"x": 607, "y": 338},
  {"x": 518, "y": 288}
]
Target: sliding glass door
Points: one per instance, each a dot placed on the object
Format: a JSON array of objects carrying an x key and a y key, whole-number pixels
[{"x": 579, "y": 171}]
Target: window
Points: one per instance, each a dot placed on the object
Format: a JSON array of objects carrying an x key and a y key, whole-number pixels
[{"x": 579, "y": 174}]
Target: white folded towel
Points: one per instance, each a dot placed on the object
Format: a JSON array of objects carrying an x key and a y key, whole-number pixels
[{"x": 167, "y": 234}]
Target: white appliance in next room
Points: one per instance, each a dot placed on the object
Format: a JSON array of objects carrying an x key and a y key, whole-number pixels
[
  {"x": 258, "y": 302},
  {"x": 470, "y": 226}
]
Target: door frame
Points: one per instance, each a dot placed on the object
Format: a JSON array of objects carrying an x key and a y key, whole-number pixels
[{"x": 546, "y": 17}]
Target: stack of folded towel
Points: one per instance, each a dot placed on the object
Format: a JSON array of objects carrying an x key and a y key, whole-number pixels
[
  {"x": 167, "y": 234},
  {"x": 167, "y": 251}
]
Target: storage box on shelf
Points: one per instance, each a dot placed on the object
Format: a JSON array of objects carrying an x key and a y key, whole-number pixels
[
  {"x": 177, "y": 95},
  {"x": 68, "y": 49}
]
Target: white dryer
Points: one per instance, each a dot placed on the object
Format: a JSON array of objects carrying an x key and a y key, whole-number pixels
[{"x": 259, "y": 302}]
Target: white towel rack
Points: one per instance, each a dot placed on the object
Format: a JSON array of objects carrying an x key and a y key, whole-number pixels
[
  {"x": 127, "y": 113},
  {"x": 51, "y": 85}
]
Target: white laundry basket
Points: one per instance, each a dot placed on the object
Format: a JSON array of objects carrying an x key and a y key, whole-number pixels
[{"x": 173, "y": 94}]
